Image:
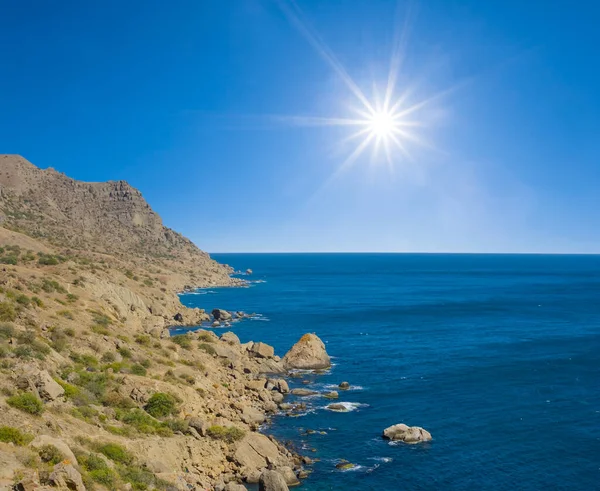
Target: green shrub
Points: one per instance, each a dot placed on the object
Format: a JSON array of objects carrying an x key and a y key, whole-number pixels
[
  {"x": 23, "y": 300},
  {"x": 205, "y": 336},
  {"x": 8, "y": 434},
  {"x": 142, "y": 339},
  {"x": 12, "y": 260},
  {"x": 161, "y": 405},
  {"x": 114, "y": 399},
  {"x": 139, "y": 478},
  {"x": 177, "y": 424},
  {"x": 71, "y": 297},
  {"x": 108, "y": 357},
  {"x": 141, "y": 421},
  {"x": 106, "y": 477},
  {"x": 67, "y": 314},
  {"x": 50, "y": 286},
  {"x": 7, "y": 312},
  {"x": 116, "y": 453},
  {"x": 182, "y": 340},
  {"x": 208, "y": 348},
  {"x": 7, "y": 331},
  {"x": 26, "y": 402},
  {"x": 101, "y": 319},
  {"x": 47, "y": 260},
  {"x": 138, "y": 370},
  {"x": 125, "y": 352},
  {"x": 37, "y": 301},
  {"x": 229, "y": 434},
  {"x": 50, "y": 454}
]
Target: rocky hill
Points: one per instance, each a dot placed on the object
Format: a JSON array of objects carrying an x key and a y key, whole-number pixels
[
  {"x": 108, "y": 217},
  {"x": 94, "y": 392}
]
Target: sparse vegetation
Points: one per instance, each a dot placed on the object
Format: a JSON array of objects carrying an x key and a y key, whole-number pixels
[
  {"x": 50, "y": 454},
  {"x": 7, "y": 312},
  {"x": 8, "y": 434},
  {"x": 228, "y": 434},
  {"x": 183, "y": 341},
  {"x": 208, "y": 348},
  {"x": 161, "y": 405},
  {"x": 26, "y": 402},
  {"x": 116, "y": 453}
]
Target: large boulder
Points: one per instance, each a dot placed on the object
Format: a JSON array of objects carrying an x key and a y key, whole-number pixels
[
  {"x": 308, "y": 353},
  {"x": 406, "y": 434},
  {"x": 256, "y": 451},
  {"x": 230, "y": 338},
  {"x": 66, "y": 476},
  {"x": 272, "y": 481},
  {"x": 261, "y": 350},
  {"x": 221, "y": 315},
  {"x": 252, "y": 416},
  {"x": 43, "y": 440},
  {"x": 41, "y": 382}
]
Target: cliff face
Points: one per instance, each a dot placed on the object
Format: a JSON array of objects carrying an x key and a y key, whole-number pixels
[{"x": 109, "y": 217}]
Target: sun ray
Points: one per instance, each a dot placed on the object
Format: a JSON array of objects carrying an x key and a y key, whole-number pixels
[
  {"x": 389, "y": 121},
  {"x": 296, "y": 16}
]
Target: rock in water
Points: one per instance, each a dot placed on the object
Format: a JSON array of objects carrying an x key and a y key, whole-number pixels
[
  {"x": 344, "y": 386},
  {"x": 308, "y": 353},
  {"x": 406, "y": 434},
  {"x": 272, "y": 481},
  {"x": 221, "y": 315}
]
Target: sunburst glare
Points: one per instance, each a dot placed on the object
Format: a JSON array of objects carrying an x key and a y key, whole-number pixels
[{"x": 388, "y": 127}]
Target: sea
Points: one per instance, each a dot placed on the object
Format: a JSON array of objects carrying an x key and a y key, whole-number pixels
[{"x": 497, "y": 356}]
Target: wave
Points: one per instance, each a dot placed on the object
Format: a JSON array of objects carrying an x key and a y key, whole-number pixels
[
  {"x": 337, "y": 388},
  {"x": 349, "y": 406}
]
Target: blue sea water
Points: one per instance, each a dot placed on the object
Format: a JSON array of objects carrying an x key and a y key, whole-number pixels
[{"x": 498, "y": 356}]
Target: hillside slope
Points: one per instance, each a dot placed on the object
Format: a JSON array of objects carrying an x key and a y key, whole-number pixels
[{"x": 107, "y": 217}]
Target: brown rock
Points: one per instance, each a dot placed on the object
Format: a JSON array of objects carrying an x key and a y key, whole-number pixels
[
  {"x": 221, "y": 315},
  {"x": 308, "y": 353},
  {"x": 406, "y": 434},
  {"x": 66, "y": 476},
  {"x": 261, "y": 350},
  {"x": 230, "y": 338},
  {"x": 272, "y": 481}
]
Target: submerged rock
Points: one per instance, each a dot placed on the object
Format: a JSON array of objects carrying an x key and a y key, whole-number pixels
[
  {"x": 331, "y": 395},
  {"x": 337, "y": 407},
  {"x": 307, "y": 354},
  {"x": 344, "y": 465},
  {"x": 406, "y": 434},
  {"x": 344, "y": 386},
  {"x": 303, "y": 392}
]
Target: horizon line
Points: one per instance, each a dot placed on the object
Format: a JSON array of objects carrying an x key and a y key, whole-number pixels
[{"x": 416, "y": 252}]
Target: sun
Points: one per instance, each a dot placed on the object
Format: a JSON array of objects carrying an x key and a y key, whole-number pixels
[{"x": 381, "y": 124}]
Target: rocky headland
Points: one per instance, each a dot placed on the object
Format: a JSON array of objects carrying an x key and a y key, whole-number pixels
[{"x": 94, "y": 392}]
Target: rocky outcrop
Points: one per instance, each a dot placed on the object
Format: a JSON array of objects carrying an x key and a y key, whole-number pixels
[
  {"x": 42, "y": 440},
  {"x": 230, "y": 338},
  {"x": 308, "y": 353},
  {"x": 221, "y": 315},
  {"x": 261, "y": 350},
  {"x": 272, "y": 481},
  {"x": 344, "y": 386},
  {"x": 406, "y": 434},
  {"x": 66, "y": 476},
  {"x": 256, "y": 451},
  {"x": 42, "y": 383}
]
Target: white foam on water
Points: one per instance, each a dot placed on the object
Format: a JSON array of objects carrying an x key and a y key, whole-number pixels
[
  {"x": 350, "y": 406},
  {"x": 382, "y": 459},
  {"x": 336, "y": 387}
]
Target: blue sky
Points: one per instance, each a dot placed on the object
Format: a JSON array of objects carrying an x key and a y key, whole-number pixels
[{"x": 187, "y": 101}]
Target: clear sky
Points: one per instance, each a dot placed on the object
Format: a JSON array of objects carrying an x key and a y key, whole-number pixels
[{"x": 203, "y": 106}]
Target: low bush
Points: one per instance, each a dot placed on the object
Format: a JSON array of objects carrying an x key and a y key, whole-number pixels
[
  {"x": 7, "y": 312},
  {"x": 116, "y": 453},
  {"x": 138, "y": 370},
  {"x": 8, "y": 434},
  {"x": 7, "y": 331},
  {"x": 208, "y": 348},
  {"x": 183, "y": 341},
  {"x": 50, "y": 454},
  {"x": 206, "y": 337},
  {"x": 161, "y": 405},
  {"x": 142, "y": 339},
  {"x": 26, "y": 402},
  {"x": 228, "y": 434}
]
